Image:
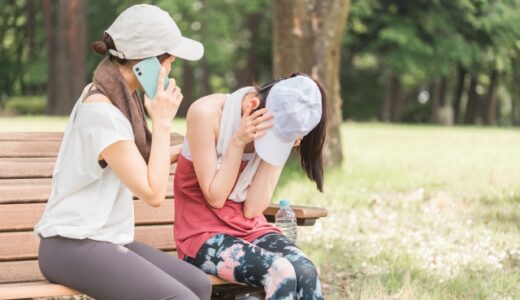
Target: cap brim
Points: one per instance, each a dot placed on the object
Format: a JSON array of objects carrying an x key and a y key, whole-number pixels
[
  {"x": 272, "y": 150},
  {"x": 188, "y": 49}
]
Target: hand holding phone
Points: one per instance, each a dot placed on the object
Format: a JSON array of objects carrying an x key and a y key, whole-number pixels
[
  {"x": 147, "y": 72},
  {"x": 166, "y": 103}
]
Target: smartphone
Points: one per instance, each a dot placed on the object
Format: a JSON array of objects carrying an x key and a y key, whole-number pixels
[{"x": 147, "y": 72}]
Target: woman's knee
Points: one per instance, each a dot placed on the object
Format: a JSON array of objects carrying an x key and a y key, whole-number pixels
[
  {"x": 281, "y": 269},
  {"x": 305, "y": 271},
  {"x": 280, "y": 280}
]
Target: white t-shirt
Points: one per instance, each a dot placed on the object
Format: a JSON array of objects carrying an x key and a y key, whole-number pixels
[{"x": 88, "y": 201}]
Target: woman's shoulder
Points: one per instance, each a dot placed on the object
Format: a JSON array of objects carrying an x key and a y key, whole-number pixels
[
  {"x": 97, "y": 98},
  {"x": 209, "y": 106}
]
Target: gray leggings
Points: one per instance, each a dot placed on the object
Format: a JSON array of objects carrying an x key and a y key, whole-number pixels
[{"x": 105, "y": 270}]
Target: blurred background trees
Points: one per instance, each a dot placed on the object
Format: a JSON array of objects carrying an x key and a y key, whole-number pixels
[{"x": 442, "y": 62}]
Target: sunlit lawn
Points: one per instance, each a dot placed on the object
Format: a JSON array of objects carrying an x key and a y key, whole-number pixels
[{"x": 415, "y": 212}]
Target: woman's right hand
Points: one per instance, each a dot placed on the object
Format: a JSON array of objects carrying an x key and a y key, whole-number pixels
[
  {"x": 166, "y": 103},
  {"x": 253, "y": 126}
]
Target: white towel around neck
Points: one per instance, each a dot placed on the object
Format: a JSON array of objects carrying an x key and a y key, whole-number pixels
[{"x": 229, "y": 123}]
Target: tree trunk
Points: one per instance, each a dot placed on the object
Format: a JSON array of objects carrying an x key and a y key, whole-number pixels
[
  {"x": 249, "y": 73},
  {"x": 386, "y": 107},
  {"x": 515, "y": 91},
  {"x": 30, "y": 26},
  {"x": 472, "y": 106},
  {"x": 438, "y": 98},
  {"x": 491, "y": 111},
  {"x": 397, "y": 97},
  {"x": 307, "y": 38},
  {"x": 187, "y": 88},
  {"x": 458, "y": 94},
  {"x": 206, "y": 87},
  {"x": 434, "y": 100},
  {"x": 515, "y": 111},
  {"x": 65, "y": 25}
]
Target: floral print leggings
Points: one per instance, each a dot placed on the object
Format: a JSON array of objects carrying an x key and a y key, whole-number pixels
[{"x": 271, "y": 262}]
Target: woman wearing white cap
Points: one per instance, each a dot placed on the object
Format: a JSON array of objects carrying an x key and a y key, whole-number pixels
[
  {"x": 233, "y": 154},
  {"x": 106, "y": 156}
]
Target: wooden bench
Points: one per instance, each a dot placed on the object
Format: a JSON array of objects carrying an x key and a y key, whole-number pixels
[{"x": 26, "y": 164}]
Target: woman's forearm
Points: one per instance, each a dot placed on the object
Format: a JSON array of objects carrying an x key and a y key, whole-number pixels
[
  {"x": 225, "y": 178},
  {"x": 261, "y": 190},
  {"x": 159, "y": 162}
]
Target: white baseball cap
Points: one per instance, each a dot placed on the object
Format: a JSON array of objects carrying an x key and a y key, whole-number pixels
[
  {"x": 143, "y": 31},
  {"x": 295, "y": 104}
]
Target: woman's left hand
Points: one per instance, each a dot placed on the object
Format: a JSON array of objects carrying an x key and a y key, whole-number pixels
[{"x": 175, "y": 152}]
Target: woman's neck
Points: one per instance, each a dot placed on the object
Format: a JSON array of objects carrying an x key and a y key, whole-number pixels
[{"x": 128, "y": 75}]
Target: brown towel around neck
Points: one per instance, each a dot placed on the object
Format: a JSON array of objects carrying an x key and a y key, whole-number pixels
[{"x": 109, "y": 80}]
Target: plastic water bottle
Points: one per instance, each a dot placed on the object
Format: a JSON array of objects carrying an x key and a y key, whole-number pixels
[{"x": 285, "y": 220}]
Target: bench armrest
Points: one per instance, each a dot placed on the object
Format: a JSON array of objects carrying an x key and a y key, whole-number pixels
[{"x": 305, "y": 215}]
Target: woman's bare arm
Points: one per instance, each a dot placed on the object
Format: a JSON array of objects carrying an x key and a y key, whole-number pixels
[
  {"x": 261, "y": 190},
  {"x": 202, "y": 129}
]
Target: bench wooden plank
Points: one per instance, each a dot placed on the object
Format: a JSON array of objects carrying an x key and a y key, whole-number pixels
[
  {"x": 35, "y": 190},
  {"x": 34, "y": 290},
  {"x": 37, "y": 289},
  {"x": 53, "y": 136},
  {"x": 23, "y": 217},
  {"x": 24, "y": 245},
  {"x": 29, "y": 149},
  {"x": 20, "y": 271},
  {"x": 37, "y": 167},
  {"x": 305, "y": 215},
  {"x": 24, "y": 190},
  {"x": 41, "y": 144},
  {"x": 31, "y": 136}
]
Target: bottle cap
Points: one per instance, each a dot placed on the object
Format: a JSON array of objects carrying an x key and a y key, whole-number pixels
[{"x": 284, "y": 203}]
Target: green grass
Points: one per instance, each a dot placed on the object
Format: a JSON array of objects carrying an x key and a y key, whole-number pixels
[{"x": 415, "y": 212}]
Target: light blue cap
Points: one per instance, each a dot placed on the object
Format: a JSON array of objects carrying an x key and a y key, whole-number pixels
[{"x": 284, "y": 203}]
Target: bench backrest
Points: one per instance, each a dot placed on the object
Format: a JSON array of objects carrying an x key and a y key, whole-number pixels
[{"x": 26, "y": 165}]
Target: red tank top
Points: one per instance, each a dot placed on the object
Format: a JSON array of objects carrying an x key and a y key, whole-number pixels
[{"x": 196, "y": 221}]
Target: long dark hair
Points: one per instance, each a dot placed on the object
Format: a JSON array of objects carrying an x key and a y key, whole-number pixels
[{"x": 311, "y": 146}]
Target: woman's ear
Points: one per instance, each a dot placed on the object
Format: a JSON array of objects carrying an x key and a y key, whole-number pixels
[
  {"x": 254, "y": 102},
  {"x": 297, "y": 142}
]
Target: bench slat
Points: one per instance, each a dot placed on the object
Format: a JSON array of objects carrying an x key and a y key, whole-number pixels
[
  {"x": 29, "y": 149},
  {"x": 37, "y": 289},
  {"x": 34, "y": 290},
  {"x": 305, "y": 215},
  {"x": 37, "y": 167},
  {"x": 24, "y": 245},
  {"x": 19, "y": 217},
  {"x": 42, "y": 144},
  {"x": 31, "y": 136},
  {"x": 24, "y": 190},
  {"x": 13, "y": 191}
]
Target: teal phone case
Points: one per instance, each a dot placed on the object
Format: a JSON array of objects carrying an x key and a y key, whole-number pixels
[{"x": 147, "y": 72}]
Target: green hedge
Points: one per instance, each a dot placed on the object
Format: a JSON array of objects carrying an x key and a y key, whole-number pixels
[{"x": 26, "y": 105}]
